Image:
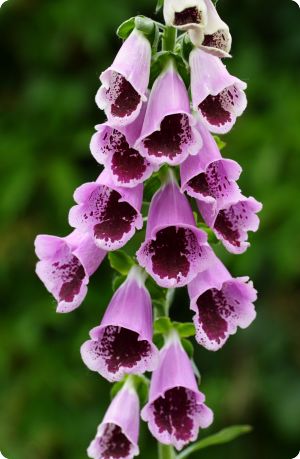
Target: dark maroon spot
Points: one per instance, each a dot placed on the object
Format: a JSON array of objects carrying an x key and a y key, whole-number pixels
[
  {"x": 71, "y": 274},
  {"x": 113, "y": 443},
  {"x": 213, "y": 183},
  {"x": 200, "y": 185},
  {"x": 227, "y": 224},
  {"x": 123, "y": 96},
  {"x": 171, "y": 251},
  {"x": 188, "y": 16},
  {"x": 175, "y": 132},
  {"x": 115, "y": 218},
  {"x": 121, "y": 348},
  {"x": 212, "y": 305},
  {"x": 217, "y": 40},
  {"x": 175, "y": 413},
  {"x": 127, "y": 164},
  {"x": 212, "y": 109}
]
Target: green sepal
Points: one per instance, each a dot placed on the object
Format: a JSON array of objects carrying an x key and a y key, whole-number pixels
[
  {"x": 117, "y": 281},
  {"x": 120, "y": 261},
  {"x": 221, "y": 144},
  {"x": 185, "y": 330},
  {"x": 125, "y": 29},
  {"x": 188, "y": 347},
  {"x": 160, "y": 61},
  {"x": 163, "y": 325},
  {"x": 159, "y": 5}
]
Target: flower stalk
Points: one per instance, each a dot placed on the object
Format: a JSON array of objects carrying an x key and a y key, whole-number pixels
[
  {"x": 169, "y": 38},
  {"x": 166, "y": 451}
]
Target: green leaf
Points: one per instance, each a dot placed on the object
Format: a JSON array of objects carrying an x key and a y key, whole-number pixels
[
  {"x": 224, "y": 436},
  {"x": 188, "y": 347},
  {"x": 162, "y": 325},
  {"x": 185, "y": 330},
  {"x": 159, "y": 5},
  {"x": 126, "y": 28},
  {"x": 120, "y": 261}
]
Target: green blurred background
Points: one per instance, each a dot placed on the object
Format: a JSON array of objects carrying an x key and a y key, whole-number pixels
[{"x": 51, "y": 55}]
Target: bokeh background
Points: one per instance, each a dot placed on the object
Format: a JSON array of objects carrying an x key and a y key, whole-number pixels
[{"x": 51, "y": 55}]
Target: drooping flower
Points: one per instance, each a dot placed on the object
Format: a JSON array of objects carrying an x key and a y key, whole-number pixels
[
  {"x": 218, "y": 96},
  {"x": 117, "y": 435},
  {"x": 221, "y": 304},
  {"x": 175, "y": 410},
  {"x": 109, "y": 213},
  {"x": 216, "y": 38},
  {"x": 114, "y": 147},
  {"x": 208, "y": 177},
  {"x": 65, "y": 265},
  {"x": 232, "y": 223},
  {"x": 185, "y": 14},
  {"x": 122, "y": 344},
  {"x": 168, "y": 134},
  {"x": 125, "y": 83},
  {"x": 175, "y": 250}
]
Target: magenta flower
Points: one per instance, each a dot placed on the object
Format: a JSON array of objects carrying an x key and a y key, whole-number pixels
[
  {"x": 125, "y": 83},
  {"x": 218, "y": 96},
  {"x": 122, "y": 344},
  {"x": 175, "y": 250},
  {"x": 110, "y": 213},
  {"x": 208, "y": 177},
  {"x": 168, "y": 134},
  {"x": 221, "y": 304},
  {"x": 216, "y": 38},
  {"x": 232, "y": 223},
  {"x": 185, "y": 14},
  {"x": 114, "y": 148},
  {"x": 117, "y": 435},
  {"x": 175, "y": 410},
  {"x": 65, "y": 265}
]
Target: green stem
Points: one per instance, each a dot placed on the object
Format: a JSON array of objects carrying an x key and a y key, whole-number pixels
[
  {"x": 169, "y": 38},
  {"x": 166, "y": 452}
]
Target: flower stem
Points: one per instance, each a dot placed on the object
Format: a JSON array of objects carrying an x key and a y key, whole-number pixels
[
  {"x": 166, "y": 452},
  {"x": 169, "y": 38}
]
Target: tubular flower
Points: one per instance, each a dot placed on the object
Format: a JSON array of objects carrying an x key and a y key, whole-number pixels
[
  {"x": 208, "y": 177},
  {"x": 110, "y": 213},
  {"x": 123, "y": 342},
  {"x": 218, "y": 96},
  {"x": 65, "y": 265},
  {"x": 232, "y": 223},
  {"x": 125, "y": 83},
  {"x": 185, "y": 14},
  {"x": 216, "y": 38},
  {"x": 175, "y": 250},
  {"x": 168, "y": 134},
  {"x": 114, "y": 147},
  {"x": 117, "y": 435},
  {"x": 221, "y": 304},
  {"x": 175, "y": 410}
]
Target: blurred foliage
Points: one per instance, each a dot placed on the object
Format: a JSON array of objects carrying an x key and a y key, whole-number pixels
[{"x": 51, "y": 55}]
